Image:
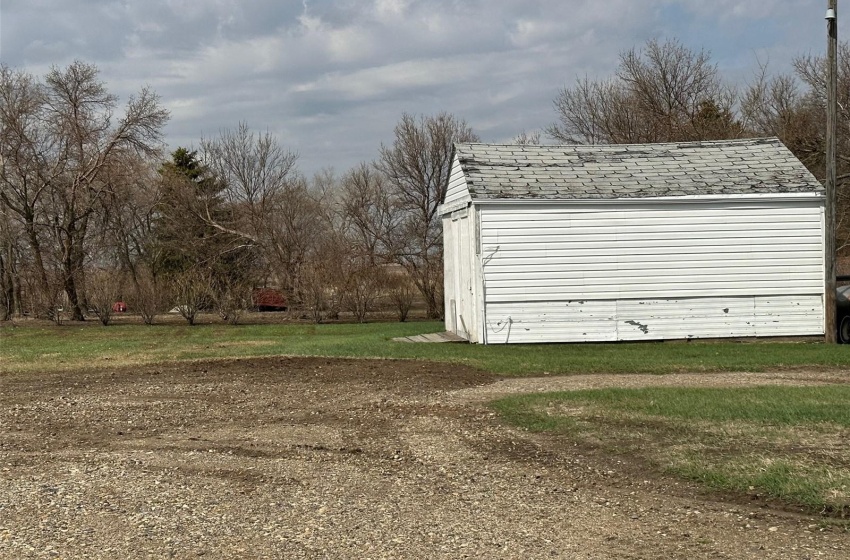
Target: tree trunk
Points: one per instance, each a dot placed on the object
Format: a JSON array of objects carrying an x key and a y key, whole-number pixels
[
  {"x": 79, "y": 257},
  {"x": 8, "y": 295},
  {"x": 41, "y": 272},
  {"x": 70, "y": 286},
  {"x": 69, "y": 282},
  {"x": 17, "y": 294}
]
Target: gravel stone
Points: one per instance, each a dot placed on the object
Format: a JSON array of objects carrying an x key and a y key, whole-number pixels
[{"x": 321, "y": 458}]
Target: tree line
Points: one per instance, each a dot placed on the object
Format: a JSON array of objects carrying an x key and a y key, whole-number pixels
[{"x": 92, "y": 210}]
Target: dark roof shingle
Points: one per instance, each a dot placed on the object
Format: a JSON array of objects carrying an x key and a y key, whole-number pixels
[{"x": 722, "y": 167}]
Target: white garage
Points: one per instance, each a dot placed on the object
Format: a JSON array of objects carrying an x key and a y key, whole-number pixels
[{"x": 632, "y": 242}]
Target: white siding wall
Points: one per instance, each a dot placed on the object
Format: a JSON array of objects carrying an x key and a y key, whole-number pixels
[
  {"x": 652, "y": 270},
  {"x": 456, "y": 190}
]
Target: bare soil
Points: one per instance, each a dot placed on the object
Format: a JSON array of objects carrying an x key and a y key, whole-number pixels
[{"x": 321, "y": 458}]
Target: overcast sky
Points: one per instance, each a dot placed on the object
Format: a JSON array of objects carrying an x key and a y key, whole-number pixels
[{"x": 330, "y": 78}]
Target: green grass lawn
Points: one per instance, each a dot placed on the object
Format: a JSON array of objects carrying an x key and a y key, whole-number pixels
[
  {"x": 32, "y": 348},
  {"x": 788, "y": 443}
]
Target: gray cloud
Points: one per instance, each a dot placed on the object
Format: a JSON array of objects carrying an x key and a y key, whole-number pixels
[{"x": 331, "y": 78}]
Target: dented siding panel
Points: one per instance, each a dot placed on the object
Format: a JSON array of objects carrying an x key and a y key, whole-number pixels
[
  {"x": 720, "y": 317},
  {"x": 576, "y": 321},
  {"x": 656, "y": 270},
  {"x": 782, "y": 312},
  {"x": 625, "y": 320}
]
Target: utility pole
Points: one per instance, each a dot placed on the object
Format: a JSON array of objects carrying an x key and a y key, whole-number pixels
[{"x": 830, "y": 325}]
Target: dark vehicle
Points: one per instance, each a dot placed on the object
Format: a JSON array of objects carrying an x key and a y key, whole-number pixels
[{"x": 842, "y": 300}]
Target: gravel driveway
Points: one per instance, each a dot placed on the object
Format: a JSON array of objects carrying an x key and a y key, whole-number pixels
[{"x": 316, "y": 458}]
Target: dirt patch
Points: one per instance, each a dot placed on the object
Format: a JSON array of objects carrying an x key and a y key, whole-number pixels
[{"x": 305, "y": 458}]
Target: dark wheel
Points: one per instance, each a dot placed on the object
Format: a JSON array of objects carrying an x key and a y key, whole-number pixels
[{"x": 844, "y": 330}]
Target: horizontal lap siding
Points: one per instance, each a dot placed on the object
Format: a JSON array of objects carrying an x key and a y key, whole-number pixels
[
  {"x": 576, "y": 321},
  {"x": 690, "y": 249},
  {"x": 633, "y": 320},
  {"x": 652, "y": 271},
  {"x": 456, "y": 190},
  {"x": 720, "y": 317}
]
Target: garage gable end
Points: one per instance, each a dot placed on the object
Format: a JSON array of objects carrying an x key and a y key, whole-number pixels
[{"x": 640, "y": 242}]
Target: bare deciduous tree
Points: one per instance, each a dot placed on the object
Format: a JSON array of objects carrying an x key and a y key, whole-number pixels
[
  {"x": 58, "y": 139},
  {"x": 231, "y": 287},
  {"x": 370, "y": 214},
  {"x": 27, "y": 169},
  {"x": 11, "y": 259},
  {"x": 104, "y": 288},
  {"x": 794, "y": 109},
  {"x": 191, "y": 290},
  {"x": 271, "y": 206},
  {"x": 664, "y": 92},
  {"x": 812, "y": 70},
  {"x": 363, "y": 286},
  {"x": 417, "y": 166},
  {"x": 320, "y": 280},
  {"x": 526, "y": 138},
  {"x": 149, "y": 295},
  {"x": 232, "y": 301},
  {"x": 401, "y": 293}
]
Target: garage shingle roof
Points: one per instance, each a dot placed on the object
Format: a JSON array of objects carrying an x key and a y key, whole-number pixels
[{"x": 725, "y": 167}]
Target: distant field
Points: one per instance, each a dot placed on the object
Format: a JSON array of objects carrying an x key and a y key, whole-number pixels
[{"x": 29, "y": 347}]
